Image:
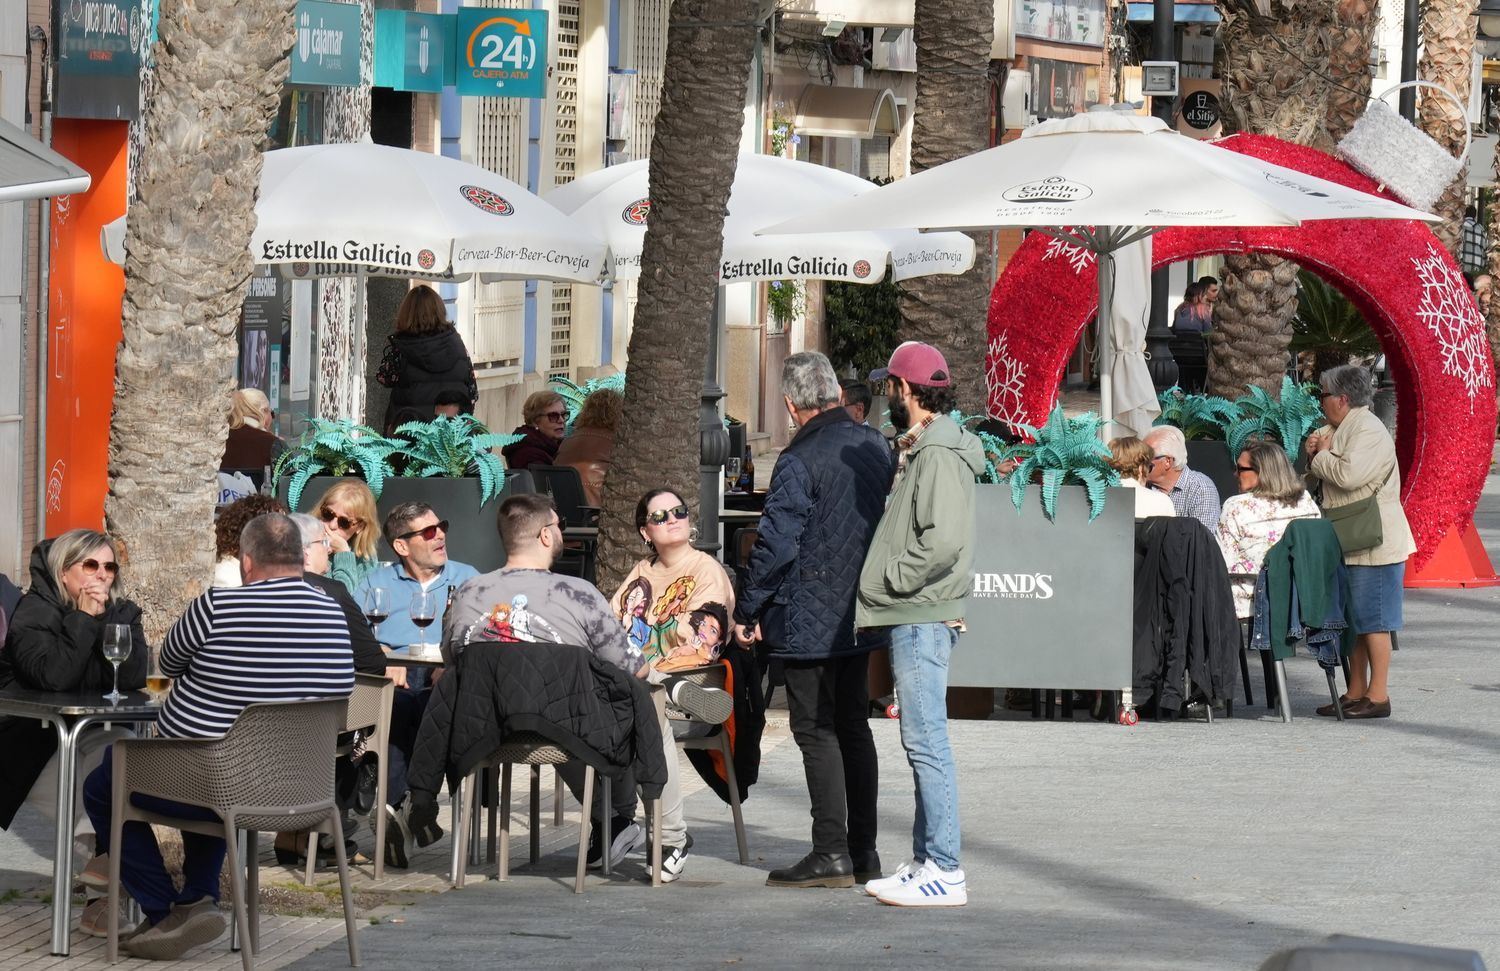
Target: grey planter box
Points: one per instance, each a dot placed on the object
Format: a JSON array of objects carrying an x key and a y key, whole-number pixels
[
  {"x": 472, "y": 535},
  {"x": 1050, "y": 602},
  {"x": 1213, "y": 460}
]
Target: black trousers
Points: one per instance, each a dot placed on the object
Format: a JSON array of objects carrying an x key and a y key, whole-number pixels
[{"x": 829, "y": 704}]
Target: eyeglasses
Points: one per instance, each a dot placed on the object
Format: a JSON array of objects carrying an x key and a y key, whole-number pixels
[
  {"x": 1158, "y": 458},
  {"x": 325, "y": 542},
  {"x": 555, "y": 415},
  {"x": 1246, "y": 468},
  {"x": 93, "y": 566},
  {"x": 556, "y": 522},
  {"x": 344, "y": 522},
  {"x": 659, "y": 516},
  {"x": 429, "y": 533}
]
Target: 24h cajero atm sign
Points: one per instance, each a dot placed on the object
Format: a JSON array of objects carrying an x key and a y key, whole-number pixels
[{"x": 502, "y": 53}]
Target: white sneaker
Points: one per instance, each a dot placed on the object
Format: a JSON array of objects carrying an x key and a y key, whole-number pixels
[
  {"x": 907, "y": 870},
  {"x": 931, "y": 887}
]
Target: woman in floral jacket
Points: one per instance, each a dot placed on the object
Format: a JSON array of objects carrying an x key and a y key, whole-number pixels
[{"x": 1271, "y": 495}]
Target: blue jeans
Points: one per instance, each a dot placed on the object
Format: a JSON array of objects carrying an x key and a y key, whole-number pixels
[
  {"x": 919, "y": 660},
  {"x": 143, "y": 875}
]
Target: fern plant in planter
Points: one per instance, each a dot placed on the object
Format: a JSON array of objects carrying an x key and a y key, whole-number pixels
[
  {"x": 1201, "y": 417},
  {"x": 1061, "y": 451},
  {"x": 1287, "y": 419},
  {"x": 335, "y": 448},
  {"x": 454, "y": 447}
]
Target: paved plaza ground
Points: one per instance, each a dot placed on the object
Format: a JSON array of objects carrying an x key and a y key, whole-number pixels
[{"x": 1087, "y": 845}]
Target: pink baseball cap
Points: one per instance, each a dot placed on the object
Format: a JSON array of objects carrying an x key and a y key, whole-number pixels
[{"x": 916, "y": 363}]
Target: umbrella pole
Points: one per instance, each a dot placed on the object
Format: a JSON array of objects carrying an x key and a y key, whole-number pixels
[
  {"x": 1105, "y": 323},
  {"x": 360, "y": 337}
]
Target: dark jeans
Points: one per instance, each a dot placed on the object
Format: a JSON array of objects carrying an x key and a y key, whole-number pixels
[
  {"x": 407, "y": 707},
  {"x": 829, "y": 703},
  {"x": 142, "y": 872}
]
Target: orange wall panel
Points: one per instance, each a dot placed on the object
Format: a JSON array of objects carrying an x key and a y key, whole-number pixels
[{"x": 83, "y": 329}]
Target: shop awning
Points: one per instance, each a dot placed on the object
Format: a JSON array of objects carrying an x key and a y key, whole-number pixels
[
  {"x": 31, "y": 170},
  {"x": 847, "y": 112},
  {"x": 1185, "y": 13}
]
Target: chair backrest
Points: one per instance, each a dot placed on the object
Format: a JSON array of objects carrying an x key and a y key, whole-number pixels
[
  {"x": 369, "y": 702},
  {"x": 274, "y": 755},
  {"x": 744, "y": 542},
  {"x": 565, "y": 486}
]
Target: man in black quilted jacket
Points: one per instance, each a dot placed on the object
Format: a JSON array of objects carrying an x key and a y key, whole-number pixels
[{"x": 826, "y": 496}]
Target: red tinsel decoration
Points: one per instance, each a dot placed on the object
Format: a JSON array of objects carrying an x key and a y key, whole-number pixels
[{"x": 1397, "y": 273}]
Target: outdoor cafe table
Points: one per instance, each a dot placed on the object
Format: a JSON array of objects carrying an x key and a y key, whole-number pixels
[{"x": 71, "y": 713}]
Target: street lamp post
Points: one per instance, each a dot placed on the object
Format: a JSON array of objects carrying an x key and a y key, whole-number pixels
[{"x": 1158, "y": 337}]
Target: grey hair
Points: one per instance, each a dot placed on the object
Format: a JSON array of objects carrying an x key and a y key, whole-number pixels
[
  {"x": 310, "y": 528},
  {"x": 807, "y": 377},
  {"x": 272, "y": 539},
  {"x": 1351, "y": 381},
  {"x": 1167, "y": 440},
  {"x": 72, "y": 548}
]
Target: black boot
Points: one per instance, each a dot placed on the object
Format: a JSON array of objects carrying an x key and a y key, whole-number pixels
[
  {"x": 816, "y": 870},
  {"x": 866, "y": 866}
]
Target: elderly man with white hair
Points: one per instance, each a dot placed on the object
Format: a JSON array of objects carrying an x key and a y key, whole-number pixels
[{"x": 1192, "y": 493}]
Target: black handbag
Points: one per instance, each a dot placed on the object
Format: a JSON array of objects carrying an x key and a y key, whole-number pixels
[{"x": 1357, "y": 524}]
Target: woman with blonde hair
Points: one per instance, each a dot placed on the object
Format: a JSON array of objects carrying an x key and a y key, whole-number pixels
[
  {"x": 425, "y": 356},
  {"x": 1252, "y": 522},
  {"x": 1131, "y": 457},
  {"x": 251, "y": 444},
  {"x": 544, "y": 422},
  {"x": 56, "y": 643},
  {"x": 347, "y": 511}
]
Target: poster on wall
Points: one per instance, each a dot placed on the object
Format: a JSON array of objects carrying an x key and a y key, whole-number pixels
[
  {"x": 98, "y": 59},
  {"x": 1060, "y": 89},
  {"x": 1063, "y": 21}
]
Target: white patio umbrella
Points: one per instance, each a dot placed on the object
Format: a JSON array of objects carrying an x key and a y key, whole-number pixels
[
  {"x": 615, "y": 202},
  {"x": 1102, "y": 180},
  {"x": 360, "y": 209}
]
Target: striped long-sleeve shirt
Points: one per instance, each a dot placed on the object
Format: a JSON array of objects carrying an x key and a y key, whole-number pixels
[{"x": 273, "y": 641}]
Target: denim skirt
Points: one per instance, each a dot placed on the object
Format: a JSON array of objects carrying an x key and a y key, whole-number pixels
[{"x": 1375, "y": 592}]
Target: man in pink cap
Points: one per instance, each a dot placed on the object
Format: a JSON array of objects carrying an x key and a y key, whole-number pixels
[{"x": 914, "y": 584}]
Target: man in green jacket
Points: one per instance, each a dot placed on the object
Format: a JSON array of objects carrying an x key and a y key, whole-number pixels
[{"x": 914, "y": 581}]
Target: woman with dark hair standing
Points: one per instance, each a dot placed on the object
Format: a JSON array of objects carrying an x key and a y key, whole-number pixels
[
  {"x": 425, "y": 357},
  {"x": 1354, "y": 457}
]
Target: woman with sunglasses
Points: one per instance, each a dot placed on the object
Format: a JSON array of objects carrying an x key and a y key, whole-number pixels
[
  {"x": 676, "y": 602},
  {"x": 545, "y": 423},
  {"x": 56, "y": 643},
  {"x": 1271, "y": 496},
  {"x": 347, "y": 511}
]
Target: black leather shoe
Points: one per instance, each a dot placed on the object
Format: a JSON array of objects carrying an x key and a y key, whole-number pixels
[
  {"x": 816, "y": 870},
  {"x": 866, "y": 866}
]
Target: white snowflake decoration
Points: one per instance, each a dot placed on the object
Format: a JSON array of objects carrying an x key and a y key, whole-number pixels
[
  {"x": 1006, "y": 378},
  {"x": 1448, "y": 310},
  {"x": 1079, "y": 257}
]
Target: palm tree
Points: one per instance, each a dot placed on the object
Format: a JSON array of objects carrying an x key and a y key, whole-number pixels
[
  {"x": 693, "y": 148},
  {"x": 1349, "y": 64},
  {"x": 219, "y": 69},
  {"x": 1275, "y": 59},
  {"x": 1448, "y": 28},
  {"x": 952, "y": 119}
]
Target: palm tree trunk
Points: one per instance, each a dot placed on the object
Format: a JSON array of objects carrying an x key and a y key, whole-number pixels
[
  {"x": 220, "y": 65},
  {"x": 952, "y": 120},
  {"x": 1349, "y": 65},
  {"x": 693, "y": 150},
  {"x": 1275, "y": 71},
  {"x": 1448, "y": 28}
]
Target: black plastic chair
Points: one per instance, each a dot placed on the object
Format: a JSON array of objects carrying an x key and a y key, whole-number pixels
[{"x": 565, "y": 486}]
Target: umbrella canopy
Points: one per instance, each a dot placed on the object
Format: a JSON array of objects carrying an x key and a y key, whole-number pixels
[
  {"x": 1103, "y": 180},
  {"x": 615, "y": 203},
  {"x": 361, "y": 207}
]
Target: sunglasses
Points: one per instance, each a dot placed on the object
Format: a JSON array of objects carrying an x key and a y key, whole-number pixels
[
  {"x": 555, "y": 415},
  {"x": 660, "y": 516},
  {"x": 93, "y": 566},
  {"x": 1246, "y": 468},
  {"x": 344, "y": 522},
  {"x": 429, "y": 533},
  {"x": 1327, "y": 394}
]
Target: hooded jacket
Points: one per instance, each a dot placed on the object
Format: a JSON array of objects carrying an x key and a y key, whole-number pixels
[
  {"x": 534, "y": 448},
  {"x": 53, "y": 647},
  {"x": 917, "y": 570},
  {"x": 418, "y": 367}
]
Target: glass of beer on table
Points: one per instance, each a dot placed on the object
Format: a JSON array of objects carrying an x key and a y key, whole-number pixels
[{"x": 157, "y": 684}]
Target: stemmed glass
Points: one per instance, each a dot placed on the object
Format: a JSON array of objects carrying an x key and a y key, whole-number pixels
[
  {"x": 116, "y": 650},
  {"x": 157, "y": 684},
  {"x": 423, "y": 612},
  {"x": 377, "y": 607}
]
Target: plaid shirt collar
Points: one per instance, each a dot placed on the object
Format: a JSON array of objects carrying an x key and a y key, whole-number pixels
[{"x": 907, "y": 439}]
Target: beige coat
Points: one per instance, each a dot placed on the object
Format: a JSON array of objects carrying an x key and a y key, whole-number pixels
[{"x": 1354, "y": 468}]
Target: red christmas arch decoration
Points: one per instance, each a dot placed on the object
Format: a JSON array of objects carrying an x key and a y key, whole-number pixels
[{"x": 1397, "y": 273}]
